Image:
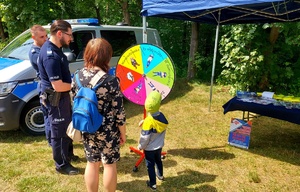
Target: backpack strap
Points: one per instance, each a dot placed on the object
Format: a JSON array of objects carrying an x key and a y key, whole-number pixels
[
  {"x": 96, "y": 78},
  {"x": 77, "y": 80},
  {"x": 107, "y": 79}
]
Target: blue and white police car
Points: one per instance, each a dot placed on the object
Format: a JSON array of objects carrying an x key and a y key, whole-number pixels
[{"x": 19, "y": 102}]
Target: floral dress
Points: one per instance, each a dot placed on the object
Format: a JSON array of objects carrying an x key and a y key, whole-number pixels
[{"x": 104, "y": 144}]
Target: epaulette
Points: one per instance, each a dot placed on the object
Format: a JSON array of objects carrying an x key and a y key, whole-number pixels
[
  {"x": 33, "y": 50},
  {"x": 49, "y": 52}
]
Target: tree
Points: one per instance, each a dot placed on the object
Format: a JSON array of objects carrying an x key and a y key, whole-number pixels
[
  {"x": 193, "y": 50},
  {"x": 124, "y": 6},
  {"x": 259, "y": 58},
  {"x": 2, "y": 31},
  {"x": 20, "y": 15}
]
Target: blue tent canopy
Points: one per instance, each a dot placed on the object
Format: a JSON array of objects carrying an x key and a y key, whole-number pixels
[
  {"x": 221, "y": 12},
  {"x": 230, "y": 11}
]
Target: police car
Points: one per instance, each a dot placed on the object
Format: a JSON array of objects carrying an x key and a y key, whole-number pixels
[{"x": 19, "y": 101}]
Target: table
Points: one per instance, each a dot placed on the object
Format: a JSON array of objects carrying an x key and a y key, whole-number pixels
[{"x": 279, "y": 112}]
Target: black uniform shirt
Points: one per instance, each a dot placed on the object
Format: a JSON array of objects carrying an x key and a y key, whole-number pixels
[
  {"x": 33, "y": 56},
  {"x": 53, "y": 65}
]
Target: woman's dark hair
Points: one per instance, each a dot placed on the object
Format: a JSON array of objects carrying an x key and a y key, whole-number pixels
[
  {"x": 59, "y": 25},
  {"x": 98, "y": 52}
]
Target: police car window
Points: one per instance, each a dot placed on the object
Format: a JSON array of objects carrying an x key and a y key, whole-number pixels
[
  {"x": 80, "y": 40},
  {"x": 119, "y": 40},
  {"x": 19, "y": 48}
]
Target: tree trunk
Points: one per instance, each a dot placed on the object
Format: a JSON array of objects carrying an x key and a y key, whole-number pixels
[
  {"x": 97, "y": 9},
  {"x": 126, "y": 15},
  {"x": 2, "y": 34},
  {"x": 193, "y": 50},
  {"x": 274, "y": 34},
  {"x": 264, "y": 82},
  {"x": 184, "y": 39}
]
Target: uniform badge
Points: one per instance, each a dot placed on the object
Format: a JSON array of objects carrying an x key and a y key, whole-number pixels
[{"x": 49, "y": 52}]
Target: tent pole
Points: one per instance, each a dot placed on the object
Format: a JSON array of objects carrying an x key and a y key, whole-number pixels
[
  {"x": 213, "y": 67},
  {"x": 144, "y": 30}
]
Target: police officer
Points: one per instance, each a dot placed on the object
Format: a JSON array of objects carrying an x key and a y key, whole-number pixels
[
  {"x": 55, "y": 82},
  {"x": 39, "y": 36}
]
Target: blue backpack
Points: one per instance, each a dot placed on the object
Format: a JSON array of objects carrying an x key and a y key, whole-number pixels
[{"x": 86, "y": 117}]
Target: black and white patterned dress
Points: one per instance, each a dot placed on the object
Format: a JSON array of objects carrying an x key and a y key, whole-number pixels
[{"x": 104, "y": 144}]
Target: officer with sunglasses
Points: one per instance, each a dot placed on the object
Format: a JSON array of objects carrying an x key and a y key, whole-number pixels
[{"x": 55, "y": 86}]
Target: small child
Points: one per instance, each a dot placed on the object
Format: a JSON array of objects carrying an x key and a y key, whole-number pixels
[{"x": 152, "y": 138}]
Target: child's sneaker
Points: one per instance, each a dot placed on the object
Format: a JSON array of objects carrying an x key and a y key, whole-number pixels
[
  {"x": 153, "y": 187},
  {"x": 162, "y": 178}
]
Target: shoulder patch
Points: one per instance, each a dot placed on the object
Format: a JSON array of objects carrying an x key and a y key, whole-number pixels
[{"x": 49, "y": 52}]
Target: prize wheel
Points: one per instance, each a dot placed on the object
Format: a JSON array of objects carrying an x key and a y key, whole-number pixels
[{"x": 143, "y": 68}]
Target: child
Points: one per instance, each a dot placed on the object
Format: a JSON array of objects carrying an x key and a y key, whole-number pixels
[{"x": 152, "y": 138}]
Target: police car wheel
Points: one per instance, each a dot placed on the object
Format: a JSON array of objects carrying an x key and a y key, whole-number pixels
[{"x": 32, "y": 119}]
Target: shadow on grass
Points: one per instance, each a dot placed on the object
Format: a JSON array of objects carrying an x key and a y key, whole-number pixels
[
  {"x": 275, "y": 139},
  {"x": 130, "y": 161},
  {"x": 176, "y": 183},
  {"x": 17, "y": 136},
  {"x": 203, "y": 153},
  {"x": 131, "y": 142},
  {"x": 180, "y": 88}
]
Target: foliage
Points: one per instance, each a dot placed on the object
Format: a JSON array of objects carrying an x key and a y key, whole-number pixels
[
  {"x": 204, "y": 57},
  {"x": 20, "y": 15},
  {"x": 252, "y": 61},
  {"x": 175, "y": 37},
  {"x": 291, "y": 32},
  {"x": 3, "y": 44},
  {"x": 241, "y": 57},
  {"x": 246, "y": 60}
]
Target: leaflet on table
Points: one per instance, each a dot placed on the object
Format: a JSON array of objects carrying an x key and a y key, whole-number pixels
[
  {"x": 245, "y": 94},
  {"x": 239, "y": 134},
  {"x": 268, "y": 94}
]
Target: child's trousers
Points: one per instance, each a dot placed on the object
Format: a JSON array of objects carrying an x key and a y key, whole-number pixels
[{"x": 153, "y": 159}]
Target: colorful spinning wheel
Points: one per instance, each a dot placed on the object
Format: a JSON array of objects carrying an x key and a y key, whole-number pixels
[{"x": 143, "y": 68}]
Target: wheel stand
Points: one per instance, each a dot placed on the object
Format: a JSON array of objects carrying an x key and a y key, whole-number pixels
[{"x": 142, "y": 156}]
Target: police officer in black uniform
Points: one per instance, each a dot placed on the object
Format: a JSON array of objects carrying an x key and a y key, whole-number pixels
[
  {"x": 39, "y": 36},
  {"x": 55, "y": 82}
]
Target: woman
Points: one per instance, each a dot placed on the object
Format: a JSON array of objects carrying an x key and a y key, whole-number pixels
[{"x": 104, "y": 145}]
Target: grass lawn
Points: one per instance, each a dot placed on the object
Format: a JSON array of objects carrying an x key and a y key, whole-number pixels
[{"x": 198, "y": 156}]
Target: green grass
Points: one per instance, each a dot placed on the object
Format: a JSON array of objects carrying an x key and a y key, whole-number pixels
[{"x": 198, "y": 156}]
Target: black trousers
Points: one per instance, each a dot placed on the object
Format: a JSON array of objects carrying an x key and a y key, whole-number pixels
[{"x": 59, "y": 118}]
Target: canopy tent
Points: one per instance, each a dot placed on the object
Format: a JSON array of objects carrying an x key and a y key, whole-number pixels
[
  {"x": 221, "y": 12},
  {"x": 231, "y": 11}
]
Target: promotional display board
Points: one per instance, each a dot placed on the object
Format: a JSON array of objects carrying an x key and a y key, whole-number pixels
[{"x": 239, "y": 134}]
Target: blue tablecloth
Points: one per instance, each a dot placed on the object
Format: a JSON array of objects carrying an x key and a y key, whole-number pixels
[{"x": 278, "y": 112}]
